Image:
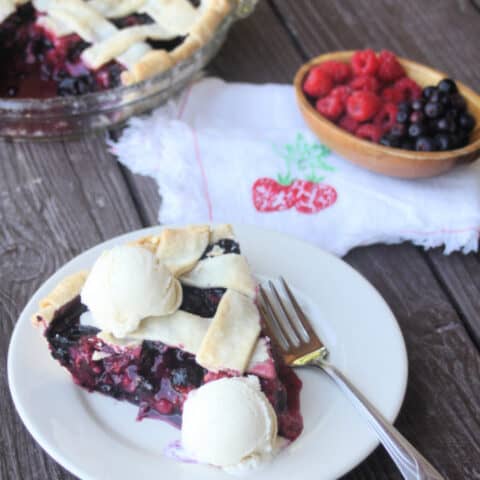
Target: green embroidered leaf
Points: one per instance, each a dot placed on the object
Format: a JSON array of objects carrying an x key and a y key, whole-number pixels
[
  {"x": 284, "y": 179},
  {"x": 313, "y": 178},
  {"x": 304, "y": 160}
]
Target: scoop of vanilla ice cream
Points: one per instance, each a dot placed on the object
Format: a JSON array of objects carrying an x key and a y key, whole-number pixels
[
  {"x": 126, "y": 285},
  {"x": 229, "y": 423}
]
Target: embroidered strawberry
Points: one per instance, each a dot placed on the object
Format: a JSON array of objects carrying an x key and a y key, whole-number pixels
[
  {"x": 271, "y": 196},
  {"x": 311, "y": 197}
]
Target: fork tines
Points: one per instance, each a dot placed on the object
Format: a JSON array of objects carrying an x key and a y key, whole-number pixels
[{"x": 290, "y": 329}]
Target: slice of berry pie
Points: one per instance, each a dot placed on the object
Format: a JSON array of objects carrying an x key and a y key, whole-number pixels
[
  {"x": 72, "y": 47},
  {"x": 158, "y": 319}
]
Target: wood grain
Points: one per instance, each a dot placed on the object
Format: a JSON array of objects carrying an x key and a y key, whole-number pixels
[
  {"x": 440, "y": 413},
  {"x": 56, "y": 200}
]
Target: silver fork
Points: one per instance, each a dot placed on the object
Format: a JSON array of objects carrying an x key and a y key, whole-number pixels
[{"x": 301, "y": 347}]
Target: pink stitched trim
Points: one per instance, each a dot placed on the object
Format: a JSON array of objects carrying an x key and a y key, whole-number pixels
[
  {"x": 202, "y": 169},
  {"x": 185, "y": 99},
  {"x": 443, "y": 230}
]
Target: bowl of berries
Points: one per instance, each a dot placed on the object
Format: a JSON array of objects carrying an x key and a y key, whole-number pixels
[{"x": 388, "y": 114}]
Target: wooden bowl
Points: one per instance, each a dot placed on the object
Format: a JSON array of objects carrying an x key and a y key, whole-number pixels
[{"x": 389, "y": 161}]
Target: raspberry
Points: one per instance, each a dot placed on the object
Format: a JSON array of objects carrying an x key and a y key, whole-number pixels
[
  {"x": 364, "y": 62},
  {"x": 407, "y": 89},
  {"x": 348, "y": 124},
  {"x": 342, "y": 92},
  {"x": 370, "y": 132},
  {"x": 362, "y": 106},
  {"x": 318, "y": 83},
  {"x": 330, "y": 107},
  {"x": 366, "y": 83},
  {"x": 386, "y": 117},
  {"x": 389, "y": 68},
  {"x": 389, "y": 94},
  {"x": 339, "y": 71}
]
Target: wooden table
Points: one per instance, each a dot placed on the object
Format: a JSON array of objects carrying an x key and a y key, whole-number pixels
[{"x": 59, "y": 198}]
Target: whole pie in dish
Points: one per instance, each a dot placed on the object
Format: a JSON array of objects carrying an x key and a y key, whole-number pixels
[
  {"x": 158, "y": 319},
  {"x": 54, "y": 48}
]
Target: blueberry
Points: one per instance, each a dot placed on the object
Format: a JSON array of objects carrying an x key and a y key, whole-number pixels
[
  {"x": 408, "y": 144},
  {"x": 402, "y": 116},
  {"x": 427, "y": 91},
  {"x": 416, "y": 130},
  {"x": 404, "y": 107},
  {"x": 390, "y": 141},
  {"x": 452, "y": 114},
  {"x": 466, "y": 122},
  {"x": 447, "y": 85},
  {"x": 398, "y": 130},
  {"x": 425, "y": 144},
  {"x": 459, "y": 140},
  {"x": 443, "y": 141},
  {"x": 187, "y": 377},
  {"x": 443, "y": 124},
  {"x": 417, "y": 105},
  {"x": 433, "y": 110},
  {"x": 84, "y": 84},
  {"x": 417, "y": 117},
  {"x": 435, "y": 96},
  {"x": 446, "y": 101},
  {"x": 66, "y": 86},
  {"x": 75, "y": 85},
  {"x": 12, "y": 91},
  {"x": 458, "y": 102}
]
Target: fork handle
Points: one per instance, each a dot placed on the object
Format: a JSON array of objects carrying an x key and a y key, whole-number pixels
[{"x": 409, "y": 461}]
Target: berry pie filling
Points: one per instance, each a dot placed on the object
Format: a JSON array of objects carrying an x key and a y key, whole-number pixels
[
  {"x": 188, "y": 319},
  {"x": 154, "y": 376},
  {"x": 50, "y": 49},
  {"x": 373, "y": 98}
]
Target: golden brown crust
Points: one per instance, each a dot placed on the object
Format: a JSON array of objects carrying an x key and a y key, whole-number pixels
[
  {"x": 152, "y": 63},
  {"x": 64, "y": 292}
]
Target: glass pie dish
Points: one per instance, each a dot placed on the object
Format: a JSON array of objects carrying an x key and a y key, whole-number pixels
[{"x": 75, "y": 115}]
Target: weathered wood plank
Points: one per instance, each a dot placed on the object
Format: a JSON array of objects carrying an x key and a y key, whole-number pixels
[
  {"x": 56, "y": 200},
  {"x": 460, "y": 277},
  {"x": 436, "y": 32},
  {"x": 440, "y": 413}
]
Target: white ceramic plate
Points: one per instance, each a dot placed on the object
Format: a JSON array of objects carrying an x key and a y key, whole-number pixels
[{"x": 96, "y": 437}]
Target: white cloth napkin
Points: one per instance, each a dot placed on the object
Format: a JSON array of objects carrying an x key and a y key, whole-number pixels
[{"x": 226, "y": 152}]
